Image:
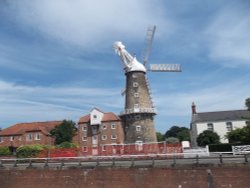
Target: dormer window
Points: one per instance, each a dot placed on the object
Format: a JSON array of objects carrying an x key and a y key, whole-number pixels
[{"x": 94, "y": 116}]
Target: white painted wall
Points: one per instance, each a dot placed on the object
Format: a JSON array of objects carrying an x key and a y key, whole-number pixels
[
  {"x": 96, "y": 117},
  {"x": 220, "y": 128}
]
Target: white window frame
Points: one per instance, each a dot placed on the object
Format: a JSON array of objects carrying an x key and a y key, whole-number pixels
[
  {"x": 138, "y": 128},
  {"x": 85, "y": 148},
  {"x": 210, "y": 127},
  {"x": 113, "y": 136},
  {"x": 135, "y": 84},
  {"x": 29, "y": 137},
  {"x": 113, "y": 126},
  {"x": 37, "y": 136},
  {"x": 104, "y": 137},
  {"x": 84, "y": 138},
  {"x": 104, "y": 148},
  {"x": 12, "y": 138},
  {"x": 85, "y": 128},
  {"x": 229, "y": 126},
  {"x": 104, "y": 127}
]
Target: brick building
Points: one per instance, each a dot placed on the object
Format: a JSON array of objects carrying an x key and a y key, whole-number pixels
[
  {"x": 27, "y": 134},
  {"x": 98, "y": 129}
]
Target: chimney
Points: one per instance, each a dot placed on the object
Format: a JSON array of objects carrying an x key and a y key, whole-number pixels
[{"x": 193, "y": 108}]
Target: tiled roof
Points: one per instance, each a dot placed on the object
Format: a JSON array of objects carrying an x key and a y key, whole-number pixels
[
  {"x": 109, "y": 116},
  {"x": 21, "y": 128},
  {"x": 220, "y": 116}
]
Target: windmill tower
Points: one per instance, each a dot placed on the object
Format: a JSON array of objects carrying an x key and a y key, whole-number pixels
[{"x": 139, "y": 111}]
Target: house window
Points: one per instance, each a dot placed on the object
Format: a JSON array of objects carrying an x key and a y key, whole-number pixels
[
  {"x": 229, "y": 126},
  {"x": 84, "y": 128},
  {"x": 94, "y": 116},
  {"x": 84, "y": 138},
  {"x": 104, "y": 148},
  {"x": 210, "y": 127},
  {"x": 38, "y": 136},
  {"x": 29, "y": 137},
  {"x": 104, "y": 127},
  {"x": 136, "y": 95},
  {"x": 85, "y": 149},
  {"x": 135, "y": 84},
  {"x": 138, "y": 128},
  {"x": 113, "y": 126},
  {"x": 113, "y": 137},
  {"x": 1, "y": 139},
  {"x": 12, "y": 138},
  {"x": 104, "y": 137}
]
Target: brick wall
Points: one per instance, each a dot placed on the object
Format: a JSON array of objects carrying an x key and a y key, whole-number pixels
[{"x": 179, "y": 177}]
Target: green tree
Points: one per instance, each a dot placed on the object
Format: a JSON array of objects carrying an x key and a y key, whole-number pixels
[
  {"x": 160, "y": 137},
  {"x": 172, "y": 140},
  {"x": 182, "y": 133},
  {"x": 4, "y": 150},
  {"x": 64, "y": 132},
  {"x": 247, "y": 103},
  {"x": 208, "y": 137},
  {"x": 239, "y": 135}
]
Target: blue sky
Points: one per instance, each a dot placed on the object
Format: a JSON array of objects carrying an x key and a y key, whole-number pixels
[{"x": 57, "y": 61}]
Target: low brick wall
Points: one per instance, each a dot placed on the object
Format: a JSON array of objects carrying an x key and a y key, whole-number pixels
[{"x": 237, "y": 176}]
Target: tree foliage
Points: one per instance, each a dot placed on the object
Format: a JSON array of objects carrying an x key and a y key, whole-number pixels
[
  {"x": 4, "y": 150},
  {"x": 239, "y": 135},
  {"x": 208, "y": 137},
  {"x": 247, "y": 103},
  {"x": 182, "y": 133},
  {"x": 29, "y": 151},
  {"x": 160, "y": 137},
  {"x": 64, "y": 132},
  {"x": 172, "y": 140}
]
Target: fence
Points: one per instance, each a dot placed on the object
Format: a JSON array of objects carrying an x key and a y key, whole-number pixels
[
  {"x": 241, "y": 149},
  {"x": 114, "y": 150}
]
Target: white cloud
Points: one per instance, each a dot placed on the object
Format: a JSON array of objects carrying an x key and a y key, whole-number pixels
[
  {"x": 89, "y": 23},
  {"x": 226, "y": 96},
  {"x": 228, "y": 36},
  {"x": 20, "y": 103}
]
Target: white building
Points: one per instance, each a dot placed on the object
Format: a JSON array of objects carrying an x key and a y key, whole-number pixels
[{"x": 220, "y": 122}]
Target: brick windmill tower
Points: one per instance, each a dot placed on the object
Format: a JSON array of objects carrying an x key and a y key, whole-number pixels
[{"x": 139, "y": 111}]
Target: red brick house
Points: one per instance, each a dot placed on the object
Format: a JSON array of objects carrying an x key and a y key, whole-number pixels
[
  {"x": 27, "y": 134},
  {"x": 98, "y": 129}
]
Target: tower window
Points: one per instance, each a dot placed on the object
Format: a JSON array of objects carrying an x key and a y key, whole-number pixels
[
  {"x": 136, "y": 95},
  {"x": 135, "y": 84},
  {"x": 138, "y": 128}
]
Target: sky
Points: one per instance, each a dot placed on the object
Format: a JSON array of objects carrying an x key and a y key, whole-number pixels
[{"x": 57, "y": 60}]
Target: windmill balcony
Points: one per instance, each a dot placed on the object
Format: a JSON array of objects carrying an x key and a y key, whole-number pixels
[{"x": 138, "y": 110}]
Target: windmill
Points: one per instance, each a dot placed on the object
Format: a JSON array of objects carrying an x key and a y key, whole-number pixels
[{"x": 139, "y": 111}]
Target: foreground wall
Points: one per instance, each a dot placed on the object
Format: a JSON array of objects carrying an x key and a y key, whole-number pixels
[{"x": 107, "y": 177}]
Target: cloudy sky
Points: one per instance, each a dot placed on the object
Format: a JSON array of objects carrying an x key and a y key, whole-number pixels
[{"x": 57, "y": 61}]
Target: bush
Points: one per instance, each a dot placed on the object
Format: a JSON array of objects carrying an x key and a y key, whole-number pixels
[
  {"x": 4, "y": 150},
  {"x": 66, "y": 145},
  {"x": 29, "y": 151}
]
